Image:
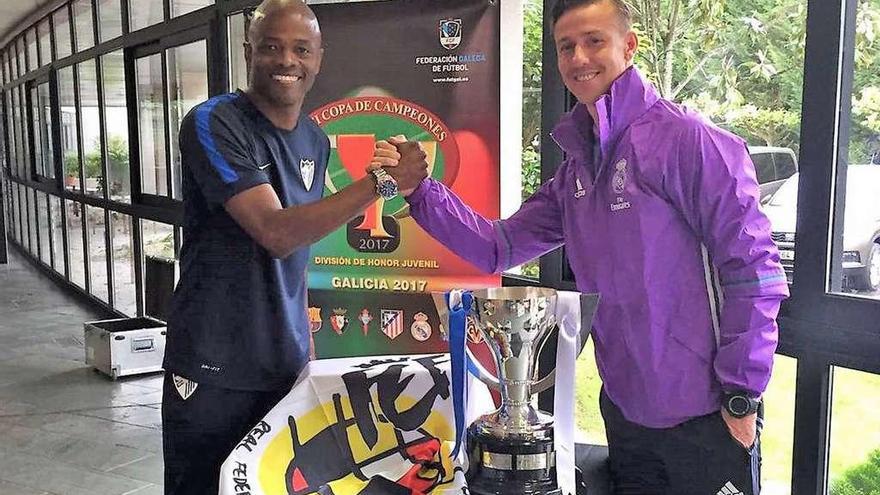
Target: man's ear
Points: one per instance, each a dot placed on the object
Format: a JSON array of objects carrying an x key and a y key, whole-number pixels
[{"x": 632, "y": 44}]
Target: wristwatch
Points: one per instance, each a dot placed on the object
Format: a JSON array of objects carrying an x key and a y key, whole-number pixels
[
  {"x": 740, "y": 405},
  {"x": 386, "y": 186}
]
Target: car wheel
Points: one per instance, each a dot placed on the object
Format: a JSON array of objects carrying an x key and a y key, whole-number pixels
[{"x": 874, "y": 267}]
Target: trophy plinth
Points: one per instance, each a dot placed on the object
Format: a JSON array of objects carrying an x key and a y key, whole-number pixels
[{"x": 513, "y": 464}]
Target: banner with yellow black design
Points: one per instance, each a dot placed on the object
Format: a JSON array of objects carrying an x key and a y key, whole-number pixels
[{"x": 381, "y": 425}]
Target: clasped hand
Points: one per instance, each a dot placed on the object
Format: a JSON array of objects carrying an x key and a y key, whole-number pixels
[{"x": 404, "y": 160}]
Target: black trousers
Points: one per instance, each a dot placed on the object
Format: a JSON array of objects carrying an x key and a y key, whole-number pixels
[
  {"x": 698, "y": 457},
  {"x": 200, "y": 432}
]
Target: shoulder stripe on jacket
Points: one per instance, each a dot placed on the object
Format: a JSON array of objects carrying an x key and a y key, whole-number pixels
[{"x": 203, "y": 131}]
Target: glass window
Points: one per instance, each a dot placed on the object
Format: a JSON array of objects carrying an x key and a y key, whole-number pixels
[
  {"x": 57, "y": 225},
  {"x": 69, "y": 141},
  {"x": 860, "y": 259},
  {"x": 84, "y": 25},
  {"x": 143, "y": 13},
  {"x": 151, "y": 122},
  {"x": 124, "y": 293},
  {"x": 21, "y": 132},
  {"x": 530, "y": 170},
  {"x": 45, "y": 41},
  {"x": 158, "y": 239},
  {"x": 37, "y": 128},
  {"x": 33, "y": 235},
  {"x": 96, "y": 226},
  {"x": 187, "y": 87},
  {"x": 109, "y": 19},
  {"x": 854, "y": 459},
  {"x": 7, "y": 208},
  {"x": 42, "y": 121},
  {"x": 33, "y": 57},
  {"x": 116, "y": 127},
  {"x": 20, "y": 57},
  {"x": 13, "y": 212},
  {"x": 26, "y": 167},
  {"x": 16, "y": 133},
  {"x": 3, "y": 137},
  {"x": 10, "y": 131},
  {"x": 237, "y": 65},
  {"x": 180, "y": 7},
  {"x": 75, "y": 250},
  {"x": 91, "y": 128},
  {"x": 43, "y": 223},
  {"x": 61, "y": 21}
]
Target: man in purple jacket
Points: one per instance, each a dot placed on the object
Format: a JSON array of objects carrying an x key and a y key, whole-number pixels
[{"x": 658, "y": 209}]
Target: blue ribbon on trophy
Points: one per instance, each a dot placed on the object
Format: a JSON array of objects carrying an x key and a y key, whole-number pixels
[{"x": 459, "y": 304}]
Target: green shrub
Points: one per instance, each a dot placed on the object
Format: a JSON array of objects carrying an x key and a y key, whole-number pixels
[{"x": 863, "y": 479}]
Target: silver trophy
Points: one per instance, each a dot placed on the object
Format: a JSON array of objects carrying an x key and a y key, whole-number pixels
[{"x": 511, "y": 450}]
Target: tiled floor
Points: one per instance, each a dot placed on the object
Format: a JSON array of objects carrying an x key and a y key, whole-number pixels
[{"x": 65, "y": 429}]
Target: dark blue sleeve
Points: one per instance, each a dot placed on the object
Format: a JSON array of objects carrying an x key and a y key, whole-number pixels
[{"x": 217, "y": 152}]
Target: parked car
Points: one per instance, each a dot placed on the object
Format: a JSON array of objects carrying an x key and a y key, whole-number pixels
[
  {"x": 861, "y": 226},
  {"x": 773, "y": 165}
]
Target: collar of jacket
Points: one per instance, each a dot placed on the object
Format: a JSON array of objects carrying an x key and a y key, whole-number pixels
[{"x": 629, "y": 97}]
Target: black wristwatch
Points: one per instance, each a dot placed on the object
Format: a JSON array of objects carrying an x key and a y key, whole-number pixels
[{"x": 740, "y": 405}]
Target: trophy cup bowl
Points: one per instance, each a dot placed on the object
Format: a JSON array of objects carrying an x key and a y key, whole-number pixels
[{"x": 511, "y": 449}]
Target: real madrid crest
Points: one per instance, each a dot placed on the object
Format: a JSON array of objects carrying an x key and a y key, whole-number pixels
[
  {"x": 420, "y": 329},
  {"x": 307, "y": 171},
  {"x": 315, "y": 321},
  {"x": 339, "y": 321},
  {"x": 619, "y": 181}
]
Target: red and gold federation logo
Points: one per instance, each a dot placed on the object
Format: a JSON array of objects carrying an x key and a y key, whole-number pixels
[{"x": 353, "y": 126}]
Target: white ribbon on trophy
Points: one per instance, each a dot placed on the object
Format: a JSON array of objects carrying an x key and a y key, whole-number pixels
[{"x": 569, "y": 345}]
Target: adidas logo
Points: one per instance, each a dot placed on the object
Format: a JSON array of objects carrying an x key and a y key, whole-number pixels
[{"x": 729, "y": 489}]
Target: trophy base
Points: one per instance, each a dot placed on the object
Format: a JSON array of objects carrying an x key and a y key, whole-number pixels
[{"x": 510, "y": 465}]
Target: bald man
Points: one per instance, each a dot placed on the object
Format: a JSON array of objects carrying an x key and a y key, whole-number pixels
[{"x": 253, "y": 177}]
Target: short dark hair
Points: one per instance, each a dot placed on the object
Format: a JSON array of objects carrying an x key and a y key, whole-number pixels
[{"x": 623, "y": 9}]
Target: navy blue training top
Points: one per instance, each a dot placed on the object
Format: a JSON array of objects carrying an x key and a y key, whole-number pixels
[{"x": 238, "y": 317}]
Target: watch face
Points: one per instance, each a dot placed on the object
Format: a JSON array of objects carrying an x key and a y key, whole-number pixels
[
  {"x": 387, "y": 189},
  {"x": 738, "y": 405}
]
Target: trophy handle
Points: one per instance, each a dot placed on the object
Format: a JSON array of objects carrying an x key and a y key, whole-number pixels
[{"x": 588, "y": 311}]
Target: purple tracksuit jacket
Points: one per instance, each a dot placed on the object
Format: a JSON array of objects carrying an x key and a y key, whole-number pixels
[{"x": 665, "y": 224}]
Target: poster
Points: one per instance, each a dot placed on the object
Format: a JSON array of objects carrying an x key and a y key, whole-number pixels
[{"x": 428, "y": 70}]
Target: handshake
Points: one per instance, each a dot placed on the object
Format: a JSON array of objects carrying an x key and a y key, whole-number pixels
[{"x": 403, "y": 160}]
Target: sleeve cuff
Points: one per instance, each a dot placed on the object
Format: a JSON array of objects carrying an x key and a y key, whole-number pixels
[{"x": 420, "y": 192}]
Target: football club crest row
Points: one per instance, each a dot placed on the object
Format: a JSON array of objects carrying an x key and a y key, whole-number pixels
[{"x": 391, "y": 322}]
